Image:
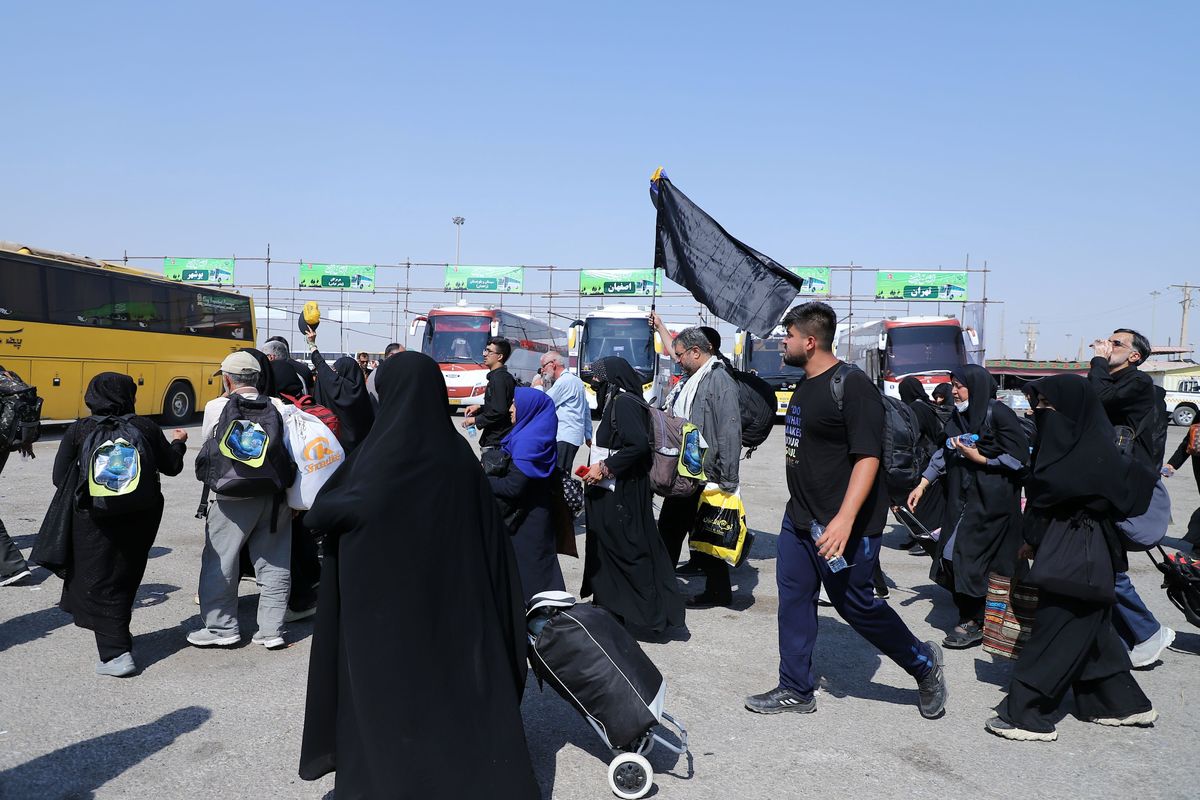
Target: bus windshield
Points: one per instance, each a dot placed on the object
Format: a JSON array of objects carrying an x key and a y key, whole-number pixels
[
  {"x": 766, "y": 360},
  {"x": 928, "y": 348},
  {"x": 457, "y": 339},
  {"x": 630, "y": 339}
]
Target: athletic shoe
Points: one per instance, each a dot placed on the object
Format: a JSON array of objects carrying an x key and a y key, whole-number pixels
[
  {"x": 296, "y": 616},
  {"x": 823, "y": 598},
  {"x": 16, "y": 576},
  {"x": 883, "y": 592},
  {"x": 273, "y": 642},
  {"x": 779, "y": 700},
  {"x": 206, "y": 638},
  {"x": 932, "y": 690},
  {"x": 120, "y": 667},
  {"x": 1146, "y": 653},
  {"x": 1143, "y": 720},
  {"x": 963, "y": 636},
  {"x": 1007, "y": 730}
]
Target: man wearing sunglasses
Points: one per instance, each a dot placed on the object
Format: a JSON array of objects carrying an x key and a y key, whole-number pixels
[
  {"x": 494, "y": 418},
  {"x": 1132, "y": 400}
]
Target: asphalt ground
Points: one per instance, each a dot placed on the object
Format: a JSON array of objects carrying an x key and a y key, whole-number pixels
[{"x": 226, "y": 723}]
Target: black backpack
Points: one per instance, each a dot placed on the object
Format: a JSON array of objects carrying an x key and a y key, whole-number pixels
[
  {"x": 756, "y": 402},
  {"x": 903, "y": 458},
  {"x": 246, "y": 456},
  {"x": 116, "y": 468},
  {"x": 20, "y": 411}
]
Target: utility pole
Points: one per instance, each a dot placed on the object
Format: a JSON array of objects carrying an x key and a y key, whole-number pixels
[
  {"x": 1186, "y": 303},
  {"x": 1153, "y": 315},
  {"x": 1031, "y": 337}
]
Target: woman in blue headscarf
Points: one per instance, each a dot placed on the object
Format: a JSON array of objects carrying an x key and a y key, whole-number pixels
[{"x": 524, "y": 487}]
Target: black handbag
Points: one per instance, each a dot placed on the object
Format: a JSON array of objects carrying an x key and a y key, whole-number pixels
[
  {"x": 52, "y": 547},
  {"x": 1073, "y": 559}
]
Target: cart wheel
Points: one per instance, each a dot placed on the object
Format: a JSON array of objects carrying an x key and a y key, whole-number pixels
[{"x": 630, "y": 776}]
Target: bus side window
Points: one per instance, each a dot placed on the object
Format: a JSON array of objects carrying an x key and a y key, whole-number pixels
[
  {"x": 76, "y": 297},
  {"x": 140, "y": 307},
  {"x": 23, "y": 297}
]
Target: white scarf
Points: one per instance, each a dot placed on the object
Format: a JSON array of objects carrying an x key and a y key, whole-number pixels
[{"x": 687, "y": 395}]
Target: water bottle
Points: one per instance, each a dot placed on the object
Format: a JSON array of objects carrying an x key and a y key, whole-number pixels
[
  {"x": 472, "y": 431},
  {"x": 836, "y": 563},
  {"x": 968, "y": 439}
]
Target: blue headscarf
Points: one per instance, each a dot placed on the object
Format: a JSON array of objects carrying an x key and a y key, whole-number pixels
[{"x": 531, "y": 442}]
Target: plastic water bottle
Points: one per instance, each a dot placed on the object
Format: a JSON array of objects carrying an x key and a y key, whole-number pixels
[
  {"x": 472, "y": 431},
  {"x": 968, "y": 439},
  {"x": 836, "y": 563}
]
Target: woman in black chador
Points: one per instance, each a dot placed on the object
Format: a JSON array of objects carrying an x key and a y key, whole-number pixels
[
  {"x": 418, "y": 657},
  {"x": 109, "y": 554},
  {"x": 626, "y": 568},
  {"x": 1079, "y": 485},
  {"x": 981, "y": 530},
  {"x": 932, "y": 421}
]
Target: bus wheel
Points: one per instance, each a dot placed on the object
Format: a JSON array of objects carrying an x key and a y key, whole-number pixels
[{"x": 179, "y": 405}]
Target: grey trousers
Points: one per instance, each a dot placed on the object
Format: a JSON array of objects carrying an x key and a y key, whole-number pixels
[{"x": 232, "y": 523}]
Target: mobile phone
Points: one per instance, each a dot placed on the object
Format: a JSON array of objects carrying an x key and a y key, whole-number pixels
[{"x": 581, "y": 471}]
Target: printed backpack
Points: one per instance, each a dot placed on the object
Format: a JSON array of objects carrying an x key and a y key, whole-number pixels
[
  {"x": 677, "y": 458},
  {"x": 306, "y": 404},
  {"x": 247, "y": 455},
  {"x": 903, "y": 458},
  {"x": 20, "y": 411},
  {"x": 114, "y": 461},
  {"x": 1193, "y": 440}
]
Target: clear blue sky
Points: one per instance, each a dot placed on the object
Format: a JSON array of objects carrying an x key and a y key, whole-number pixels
[{"x": 1055, "y": 140}]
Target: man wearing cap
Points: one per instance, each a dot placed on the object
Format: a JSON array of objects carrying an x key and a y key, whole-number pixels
[{"x": 236, "y": 521}]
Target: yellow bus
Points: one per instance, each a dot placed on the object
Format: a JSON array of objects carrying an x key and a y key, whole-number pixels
[{"x": 64, "y": 319}]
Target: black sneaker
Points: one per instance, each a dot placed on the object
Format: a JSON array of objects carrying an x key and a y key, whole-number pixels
[
  {"x": 932, "y": 688},
  {"x": 883, "y": 592},
  {"x": 688, "y": 570},
  {"x": 779, "y": 700}
]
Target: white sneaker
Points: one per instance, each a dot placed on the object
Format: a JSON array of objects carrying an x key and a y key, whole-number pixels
[
  {"x": 1146, "y": 653},
  {"x": 270, "y": 642},
  {"x": 206, "y": 638},
  {"x": 16, "y": 576},
  {"x": 120, "y": 667}
]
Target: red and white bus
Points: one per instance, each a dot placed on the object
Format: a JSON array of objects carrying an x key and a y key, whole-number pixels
[
  {"x": 455, "y": 336},
  {"x": 889, "y": 350}
]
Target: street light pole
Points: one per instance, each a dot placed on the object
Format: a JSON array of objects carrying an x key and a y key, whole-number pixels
[{"x": 458, "y": 223}]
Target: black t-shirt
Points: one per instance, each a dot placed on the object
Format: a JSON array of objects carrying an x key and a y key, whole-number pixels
[{"x": 818, "y": 445}]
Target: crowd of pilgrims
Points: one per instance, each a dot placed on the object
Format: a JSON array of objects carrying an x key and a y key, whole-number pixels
[{"x": 411, "y": 517}]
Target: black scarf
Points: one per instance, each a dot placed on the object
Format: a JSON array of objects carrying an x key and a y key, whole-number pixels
[
  {"x": 343, "y": 389},
  {"x": 1004, "y": 434},
  {"x": 611, "y": 376},
  {"x": 1076, "y": 461},
  {"x": 110, "y": 394},
  {"x": 912, "y": 390},
  {"x": 287, "y": 381}
]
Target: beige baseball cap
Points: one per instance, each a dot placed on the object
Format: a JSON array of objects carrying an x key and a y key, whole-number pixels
[{"x": 238, "y": 364}]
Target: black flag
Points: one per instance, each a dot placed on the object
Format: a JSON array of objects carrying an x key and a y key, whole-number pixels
[{"x": 735, "y": 282}]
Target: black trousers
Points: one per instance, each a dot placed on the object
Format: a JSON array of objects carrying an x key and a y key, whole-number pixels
[
  {"x": 11, "y": 560},
  {"x": 110, "y": 644},
  {"x": 675, "y": 522},
  {"x": 566, "y": 456},
  {"x": 306, "y": 567},
  {"x": 970, "y": 608}
]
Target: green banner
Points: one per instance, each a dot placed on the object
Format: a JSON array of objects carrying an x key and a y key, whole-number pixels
[
  {"x": 936, "y": 285},
  {"x": 485, "y": 279},
  {"x": 619, "y": 282},
  {"x": 358, "y": 277},
  {"x": 199, "y": 270},
  {"x": 816, "y": 279}
]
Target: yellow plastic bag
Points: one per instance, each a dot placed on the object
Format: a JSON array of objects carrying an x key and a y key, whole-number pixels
[{"x": 720, "y": 528}]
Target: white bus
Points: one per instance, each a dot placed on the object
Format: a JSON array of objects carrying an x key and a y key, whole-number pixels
[{"x": 623, "y": 331}]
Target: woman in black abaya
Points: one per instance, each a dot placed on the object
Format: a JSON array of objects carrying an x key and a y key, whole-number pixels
[
  {"x": 418, "y": 658},
  {"x": 626, "y": 567},
  {"x": 932, "y": 508},
  {"x": 1078, "y": 484},
  {"x": 343, "y": 389},
  {"x": 981, "y": 530},
  {"x": 108, "y": 555}
]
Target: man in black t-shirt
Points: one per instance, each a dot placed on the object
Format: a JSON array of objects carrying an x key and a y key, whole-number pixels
[
  {"x": 832, "y": 448},
  {"x": 494, "y": 417}
]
